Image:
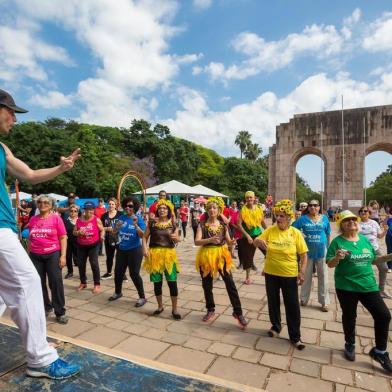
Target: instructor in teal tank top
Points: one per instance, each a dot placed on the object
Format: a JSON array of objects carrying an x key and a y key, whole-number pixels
[{"x": 20, "y": 284}]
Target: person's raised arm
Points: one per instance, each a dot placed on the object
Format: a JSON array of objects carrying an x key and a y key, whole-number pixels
[{"x": 23, "y": 172}]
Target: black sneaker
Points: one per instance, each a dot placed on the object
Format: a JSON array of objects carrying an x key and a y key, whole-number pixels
[
  {"x": 382, "y": 359},
  {"x": 349, "y": 352},
  {"x": 69, "y": 275},
  {"x": 254, "y": 268},
  {"x": 241, "y": 320},
  {"x": 106, "y": 276}
]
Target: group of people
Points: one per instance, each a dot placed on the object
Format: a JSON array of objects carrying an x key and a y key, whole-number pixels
[{"x": 291, "y": 248}]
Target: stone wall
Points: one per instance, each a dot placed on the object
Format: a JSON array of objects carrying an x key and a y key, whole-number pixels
[{"x": 365, "y": 130}]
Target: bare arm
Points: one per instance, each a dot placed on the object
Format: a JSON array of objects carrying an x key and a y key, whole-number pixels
[
  {"x": 101, "y": 229},
  {"x": 23, "y": 172},
  {"x": 144, "y": 241},
  {"x": 263, "y": 224},
  {"x": 303, "y": 260},
  {"x": 63, "y": 250},
  {"x": 243, "y": 231}
]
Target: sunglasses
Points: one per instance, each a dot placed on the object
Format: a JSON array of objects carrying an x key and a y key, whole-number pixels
[
  {"x": 313, "y": 205},
  {"x": 43, "y": 202},
  {"x": 129, "y": 206},
  {"x": 363, "y": 211},
  {"x": 350, "y": 220}
]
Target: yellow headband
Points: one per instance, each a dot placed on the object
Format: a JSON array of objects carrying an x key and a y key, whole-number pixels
[
  {"x": 249, "y": 193},
  {"x": 167, "y": 203},
  {"x": 285, "y": 206},
  {"x": 216, "y": 200}
]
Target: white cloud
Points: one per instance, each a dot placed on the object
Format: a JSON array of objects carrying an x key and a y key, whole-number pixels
[
  {"x": 51, "y": 100},
  {"x": 197, "y": 122},
  {"x": 320, "y": 41},
  {"x": 379, "y": 34},
  {"x": 22, "y": 52},
  {"x": 202, "y": 4}
]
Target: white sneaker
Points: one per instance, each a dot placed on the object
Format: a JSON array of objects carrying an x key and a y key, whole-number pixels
[{"x": 385, "y": 294}]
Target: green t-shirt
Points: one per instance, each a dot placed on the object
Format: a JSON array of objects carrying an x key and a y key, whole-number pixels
[{"x": 354, "y": 272}]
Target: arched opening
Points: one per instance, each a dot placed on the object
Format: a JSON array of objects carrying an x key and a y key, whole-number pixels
[
  {"x": 309, "y": 168},
  {"x": 378, "y": 174}
]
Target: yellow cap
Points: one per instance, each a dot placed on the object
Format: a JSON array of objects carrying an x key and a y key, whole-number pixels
[{"x": 344, "y": 215}]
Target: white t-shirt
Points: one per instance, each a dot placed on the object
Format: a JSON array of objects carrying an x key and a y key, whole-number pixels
[{"x": 370, "y": 229}]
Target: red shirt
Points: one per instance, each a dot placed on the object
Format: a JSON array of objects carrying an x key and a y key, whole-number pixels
[
  {"x": 184, "y": 212},
  {"x": 99, "y": 211},
  {"x": 153, "y": 208}
]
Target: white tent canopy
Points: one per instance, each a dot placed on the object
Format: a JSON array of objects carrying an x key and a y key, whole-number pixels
[
  {"x": 22, "y": 196},
  {"x": 171, "y": 187},
  {"x": 58, "y": 197},
  {"x": 204, "y": 191}
]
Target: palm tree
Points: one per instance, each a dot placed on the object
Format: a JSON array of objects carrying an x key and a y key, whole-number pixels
[
  {"x": 253, "y": 151},
  {"x": 242, "y": 140}
]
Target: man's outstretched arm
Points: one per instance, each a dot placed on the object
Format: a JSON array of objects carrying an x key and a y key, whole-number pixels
[{"x": 23, "y": 172}]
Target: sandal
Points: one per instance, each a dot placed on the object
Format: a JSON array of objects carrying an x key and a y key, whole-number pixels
[
  {"x": 209, "y": 315},
  {"x": 157, "y": 312},
  {"x": 176, "y": 316}
]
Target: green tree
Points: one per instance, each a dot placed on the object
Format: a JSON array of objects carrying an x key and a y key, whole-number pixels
[
  {"x": 243, "y": 140},
  {"x": 253, "y": 151},
  {"x": 380, "y": 189},
  {"x": 304, "y": 192}
]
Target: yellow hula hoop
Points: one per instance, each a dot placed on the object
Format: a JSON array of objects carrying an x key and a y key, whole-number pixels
[{"x": 139, "y": 179}]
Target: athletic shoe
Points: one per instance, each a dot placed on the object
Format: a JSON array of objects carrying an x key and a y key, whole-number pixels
[
  {"x": 298, "y": 345},
  {"x": 47, "y": 311},
  {"x": 96, "y": 289},
  {"x": 125, "y": 279},
  {"x": 140, "y": 302},
  {"x": 69, "y": 275},
  {"x": 115, "y": 296},
  {"x": 63, "y": 319},
  {"x": 106, "y": 276},
  {"x": 303, "y": 303},
  {"x": 82, "y": 286},
  {"x": 324, "y": 308},
  {"x": 254, "y": 268},
  {"x": 208, "y": 316},
  {"x": 241, "y": 320},
  {"x": 272, "y": 333},
  {"x": 349, "y": 352},
  {"x": 382, "y": 359},
  {"x": 57, "y": 370},
  {"x": 176, "y": 316}
]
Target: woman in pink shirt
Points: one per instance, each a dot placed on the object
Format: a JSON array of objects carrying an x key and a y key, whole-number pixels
[
  {"x": 48, "y": 248},
  {"x": 89, "y": 233}
]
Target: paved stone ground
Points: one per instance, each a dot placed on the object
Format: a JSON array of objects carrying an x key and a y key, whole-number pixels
[{"x": 220, "y": 348}]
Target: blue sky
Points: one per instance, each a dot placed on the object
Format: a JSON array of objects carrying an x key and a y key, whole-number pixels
[{"x": 206, "y": 68}]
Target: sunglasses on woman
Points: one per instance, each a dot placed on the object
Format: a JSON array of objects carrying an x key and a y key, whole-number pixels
[
  {"x": 43, "y": 202},
  {"x": 313, "y": 205},
  {"x": 129, "y": 206}
]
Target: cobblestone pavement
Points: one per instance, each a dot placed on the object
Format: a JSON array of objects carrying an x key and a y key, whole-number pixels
[{"x": 220, "y": 348}]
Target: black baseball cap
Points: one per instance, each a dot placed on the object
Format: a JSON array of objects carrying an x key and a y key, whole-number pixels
[{"x": 7, "y": 101}]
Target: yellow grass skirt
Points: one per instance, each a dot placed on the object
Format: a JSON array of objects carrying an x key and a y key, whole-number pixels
[
  {"x": 160, "y": 260},
  {"x": 211, "y": 259}
]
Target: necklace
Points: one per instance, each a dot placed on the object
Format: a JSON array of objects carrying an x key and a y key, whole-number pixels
[
  {"x": 214, "y": 229},
  {"x": 163, "y": 225}
]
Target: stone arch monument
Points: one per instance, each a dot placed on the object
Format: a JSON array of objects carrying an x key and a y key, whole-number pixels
[{"x": 366, "y": 130}]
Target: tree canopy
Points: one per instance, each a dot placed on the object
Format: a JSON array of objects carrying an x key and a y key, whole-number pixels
[
  {"x": 380, "y": 189},
  {"x": 108, "y": 152}
]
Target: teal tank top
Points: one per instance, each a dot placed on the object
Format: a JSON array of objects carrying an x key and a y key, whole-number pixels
[{"x": 7, "y": 218}]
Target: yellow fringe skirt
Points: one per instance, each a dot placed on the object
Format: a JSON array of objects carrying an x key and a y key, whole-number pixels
[
  {"x": 211, "y": 259},
  {"x": 160, "y": 260}
]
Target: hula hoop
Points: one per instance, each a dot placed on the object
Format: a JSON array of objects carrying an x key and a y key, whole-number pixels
[{"x": 139, "y": 179}]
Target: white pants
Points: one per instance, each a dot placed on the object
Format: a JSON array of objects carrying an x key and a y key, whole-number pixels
[
  {"x": 20, "y": 291},
  {"x": 322, "y": 286}
]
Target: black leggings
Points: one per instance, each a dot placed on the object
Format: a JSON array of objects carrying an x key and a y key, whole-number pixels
[
  {"x": 110, "y": 250},
  {"x": 207, "y": 283},
  {"x": 89, "y": 252},
  {"x": 48, "y": 265},
  {"x": 289, "y": 287},
  {"x": 172, "y": 288},
  {"x": 72, "y": 255},
  {"x": 184, "y": 225},
  {"x": 375, "y": 305},
  {"x": 132, "y": 259}
]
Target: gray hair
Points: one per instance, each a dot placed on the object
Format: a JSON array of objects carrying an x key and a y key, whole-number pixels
[{"x": 45, "y": 197}]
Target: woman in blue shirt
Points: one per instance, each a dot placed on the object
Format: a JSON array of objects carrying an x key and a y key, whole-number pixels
[
  {"x": 316, "y": 230},
  {"x": 130, "y": 228}
]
